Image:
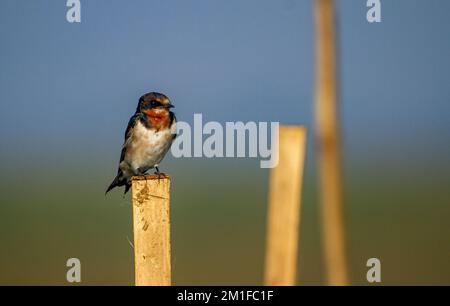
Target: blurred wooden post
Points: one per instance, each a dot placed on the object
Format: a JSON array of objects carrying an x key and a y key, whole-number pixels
[
  {"x": 151, "y": 224},
  {"x": 284, "y": 208},
  {"x": 328, "y": 154}
]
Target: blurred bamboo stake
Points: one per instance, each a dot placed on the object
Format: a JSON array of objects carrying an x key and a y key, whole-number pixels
[
  {"x": 284, "y": 208},
  {"x": 151, "y": 224},
  {"x": 329, "y": 159}
]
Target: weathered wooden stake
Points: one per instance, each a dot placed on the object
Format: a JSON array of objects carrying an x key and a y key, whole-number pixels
[
  {"x": 151, "y": 224},
  {"x": 284, "y": 208},
  {"x": 328, "y": 141}
]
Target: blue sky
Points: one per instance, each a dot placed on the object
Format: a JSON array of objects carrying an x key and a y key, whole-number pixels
[{"x": 66, "y": 86}]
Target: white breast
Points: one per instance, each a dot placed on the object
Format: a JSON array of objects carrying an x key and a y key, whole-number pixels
[{"x": 147, "y": 147}]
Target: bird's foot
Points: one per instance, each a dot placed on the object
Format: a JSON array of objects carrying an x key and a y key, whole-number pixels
[
  {"x": 143, "y": 172},
  {"x": 159, "y": 174}
]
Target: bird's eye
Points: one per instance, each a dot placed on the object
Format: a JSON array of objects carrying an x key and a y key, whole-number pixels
[{"x": 154, "y": 103}]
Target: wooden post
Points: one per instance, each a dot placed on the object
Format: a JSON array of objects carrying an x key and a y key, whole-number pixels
[
  {"x": 151, "y": 224},
  {"x": 284, "y": 208},
  {"x": 328, "y": 153}
]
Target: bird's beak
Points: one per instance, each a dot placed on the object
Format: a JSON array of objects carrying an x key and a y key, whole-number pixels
[{"x": 170, "y": 106}]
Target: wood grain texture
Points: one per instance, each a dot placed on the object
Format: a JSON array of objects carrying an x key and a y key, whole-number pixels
[
  {"x": 284, "y": 208},
  {"x": 328, "y": 146},
  {"x": 151, "y": 225}
]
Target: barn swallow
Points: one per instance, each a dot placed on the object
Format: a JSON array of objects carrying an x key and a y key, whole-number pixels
[{"x": 148, "y": 137}]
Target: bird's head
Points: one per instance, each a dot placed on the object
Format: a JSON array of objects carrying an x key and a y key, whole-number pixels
[{"x": 154, "y": 104}]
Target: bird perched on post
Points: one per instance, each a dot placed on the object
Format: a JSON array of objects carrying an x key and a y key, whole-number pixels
[{"x": 148, "y": 137}]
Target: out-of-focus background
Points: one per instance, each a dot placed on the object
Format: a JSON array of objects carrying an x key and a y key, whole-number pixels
[{"x": 68, "y": 90}]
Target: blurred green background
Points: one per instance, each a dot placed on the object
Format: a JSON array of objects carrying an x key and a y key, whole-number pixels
[
  {"x": 218, "y": 226},
  {"x": 67, "y": 91}
]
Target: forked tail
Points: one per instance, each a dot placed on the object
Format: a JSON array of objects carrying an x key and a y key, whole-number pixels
[{"x": 118, "y": 181}]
